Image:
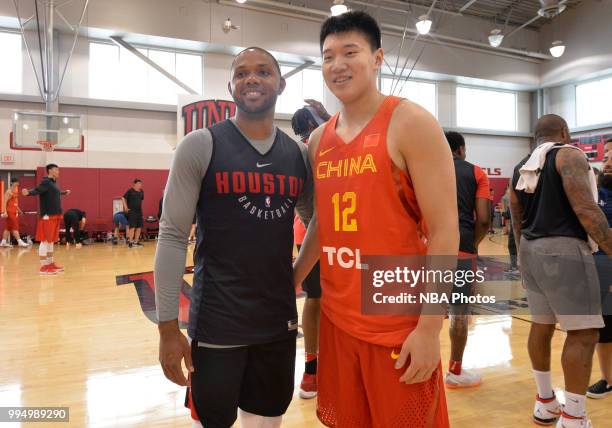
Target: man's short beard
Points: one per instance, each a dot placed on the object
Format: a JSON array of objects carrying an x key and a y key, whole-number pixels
[{"x": 271, "y": 103}]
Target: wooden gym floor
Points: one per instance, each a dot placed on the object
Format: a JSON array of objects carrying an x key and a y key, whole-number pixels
[{"x": 79, "y": 340}]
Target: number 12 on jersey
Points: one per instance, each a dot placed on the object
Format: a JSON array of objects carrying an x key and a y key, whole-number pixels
[{"x": 345, "y": 205}]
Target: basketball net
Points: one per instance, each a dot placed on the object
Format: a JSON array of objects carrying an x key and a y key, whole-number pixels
[{"x": 46, "y": 146}]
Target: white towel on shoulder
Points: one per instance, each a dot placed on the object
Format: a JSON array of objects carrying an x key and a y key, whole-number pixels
[{"x": 530, "y": 173}]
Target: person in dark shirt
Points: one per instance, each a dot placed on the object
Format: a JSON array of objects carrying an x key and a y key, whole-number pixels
[
  {"x": 132, "y": 203},
  {"x": 74, "y": 221},
  {"x": 243, "y": 315},
  {"x": 47, "y": 229},
  {"x": 474, "y": 207},
  {"x": 553, "y": 220},
  {"x": 304, "y": 122},
  {"x": 603, "y": 387}
]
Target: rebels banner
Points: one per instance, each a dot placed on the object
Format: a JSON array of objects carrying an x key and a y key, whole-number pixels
[{"x": 197, "y": 113}]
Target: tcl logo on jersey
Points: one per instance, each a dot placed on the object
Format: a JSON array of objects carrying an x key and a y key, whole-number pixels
[
  {"x": 346, "y": 167},
  {"x": 344, "y": 257},
  {"x": 493, "y": 171}
]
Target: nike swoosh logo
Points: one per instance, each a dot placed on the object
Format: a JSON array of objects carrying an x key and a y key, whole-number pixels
[
  {"x": 394, "y": 355},
  {"x": 324, "y": 152},
  {"x": 262, "y": 165}
]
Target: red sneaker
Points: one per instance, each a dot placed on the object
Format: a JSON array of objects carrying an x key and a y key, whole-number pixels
[
  {"x": 56, "y": 268},
  {"x": 47, "y": 270},
  {"x": 308, "y": 387}
]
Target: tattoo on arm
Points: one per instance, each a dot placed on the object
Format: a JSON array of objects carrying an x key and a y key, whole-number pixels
[{"x": 574, "y": 171}]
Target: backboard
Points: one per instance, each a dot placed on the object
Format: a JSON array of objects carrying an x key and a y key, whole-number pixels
[{"x": 47, "y": 131}]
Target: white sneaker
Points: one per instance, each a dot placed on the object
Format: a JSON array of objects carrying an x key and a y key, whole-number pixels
[
  {"x": 546, "y": 411},
  {"x": 5, "y": 244},
  {"x": 22, "y": 244},
  {"x": 567, "y": 421},
  {"x": 466, "y": 379}
]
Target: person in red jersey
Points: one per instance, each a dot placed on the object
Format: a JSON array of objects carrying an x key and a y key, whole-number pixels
[
  {"x": 382, "y": 170},
  {"x": 304, "y": 121},
  {"x": 11, "y": 211},
  {"x": 47, "y": 229}
]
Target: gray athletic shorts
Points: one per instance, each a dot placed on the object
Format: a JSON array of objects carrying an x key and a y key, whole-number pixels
[{"x": 561, "y": 282}]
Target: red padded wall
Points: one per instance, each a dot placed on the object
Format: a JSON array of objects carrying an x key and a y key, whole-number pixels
[{"x": 93, "y": 190}]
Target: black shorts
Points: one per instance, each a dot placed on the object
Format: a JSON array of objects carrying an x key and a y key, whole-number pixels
[
  {"x": 135, "y": 219},
  {"x": 605, "y": 333},
  {"x": 603, "y": 263},
  {"x": 312, "y": 283},
  {"x": 256, "y": 378}
]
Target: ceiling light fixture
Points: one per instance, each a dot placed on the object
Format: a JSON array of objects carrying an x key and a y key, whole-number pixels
[
  {"x": 496, "y": 37},
  {"x": 557, "y": 49},
  {"x": 229, "y": 26},
  {"x": 338, "y": 8},
  {"x": 241, "y": 1},
  {"x": 423, "y": 25}
]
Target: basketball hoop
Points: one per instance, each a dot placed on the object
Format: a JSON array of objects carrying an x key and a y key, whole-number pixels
[{"x": 46, "y": 145}]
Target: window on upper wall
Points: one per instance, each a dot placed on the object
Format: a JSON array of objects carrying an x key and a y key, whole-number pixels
[
  {"x": 486, "y": 109},
  {"x": 117, "y": 74},
  {"x": 306, "y": 84},
  {"x": 593, "y": 102},
  {"x": 11, "y": 72},
  {"x": 422, "y": 93}
]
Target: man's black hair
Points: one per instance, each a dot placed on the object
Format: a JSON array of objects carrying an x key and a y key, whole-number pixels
[
  {"x": 352, "y": 21},
  {"x": 137, "y": 180},
  {"x": 302, "y": 122},
  {"x": 455, "y": 140},
  {"x": 50, "y": 167}
]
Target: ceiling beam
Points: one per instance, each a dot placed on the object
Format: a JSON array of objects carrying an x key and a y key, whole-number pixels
[
  {"x": 467, "y": 5},
  {"x": 297, "y": 69},
  {"x": 122, "y": 43}
]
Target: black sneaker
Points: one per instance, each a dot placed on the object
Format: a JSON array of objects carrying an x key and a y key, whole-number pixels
[
  {"x": 138, "y": 244},
  {"x": 129, "y": 244},
  {"x": 599, "y": 389}
]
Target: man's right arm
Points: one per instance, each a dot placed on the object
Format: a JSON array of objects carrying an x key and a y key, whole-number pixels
[
  {"x": 189, "y": 166},
  {"x": 574, "y": 171},
  {"x": 181, "y": 195},
  {"x": 39, "y": 190}
]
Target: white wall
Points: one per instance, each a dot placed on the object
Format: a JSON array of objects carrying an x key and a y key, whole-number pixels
[
  {"x": 114, "y": 138},
  {"x": 496, "y": 152}
]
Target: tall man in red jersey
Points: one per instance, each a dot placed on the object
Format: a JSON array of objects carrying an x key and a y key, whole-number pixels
[{"x": 399, "y": 175}]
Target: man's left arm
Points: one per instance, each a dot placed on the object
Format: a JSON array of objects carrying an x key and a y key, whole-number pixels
[
  {"x": 305, "y": 203},
  {"x": 426, "y": 157},
  {"x": 482, "y": 206}
]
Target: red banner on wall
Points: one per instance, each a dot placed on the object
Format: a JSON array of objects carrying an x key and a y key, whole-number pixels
[{"x": 194, "y": 113}]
